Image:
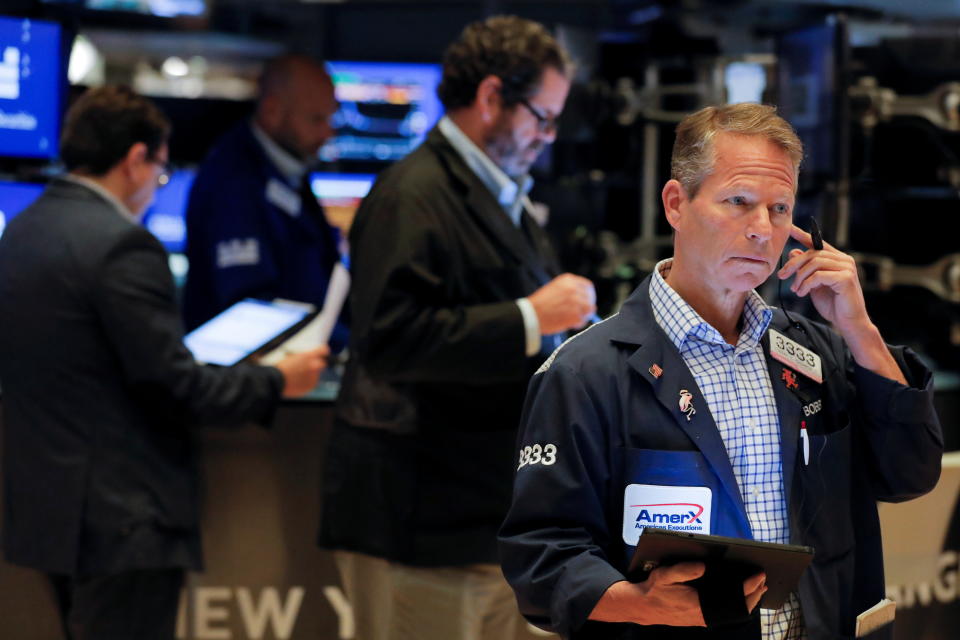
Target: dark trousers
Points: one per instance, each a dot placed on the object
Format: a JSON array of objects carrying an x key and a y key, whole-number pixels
[{"x": 134, "y": 605}]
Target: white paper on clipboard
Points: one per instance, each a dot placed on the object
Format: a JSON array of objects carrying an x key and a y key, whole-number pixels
[{"x": 317, "y": 331}]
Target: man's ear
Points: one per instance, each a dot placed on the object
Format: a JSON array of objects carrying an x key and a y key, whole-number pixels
[
  {"x": 136, "y": 156},
  {"x": 270, "y": 113},
  {"x": 674, "y": 197},
  {"x": 488, "y": 100}
]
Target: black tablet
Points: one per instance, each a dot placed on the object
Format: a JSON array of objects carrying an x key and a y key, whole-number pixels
[
  {"x": 246, "y": 328},
  {"x": 783, "y": 563}
]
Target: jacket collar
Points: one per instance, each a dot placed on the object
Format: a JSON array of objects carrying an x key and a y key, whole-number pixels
[
  {"x": 310, "y": 219},
  {"x": 78, "y": 187},
  {"x": 484, "y": 208},
  {"x": 508, "y": 192},
  {"x": 286, "y": 165}
]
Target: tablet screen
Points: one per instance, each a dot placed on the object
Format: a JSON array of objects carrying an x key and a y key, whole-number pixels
[{"x": 241, "y": 330}]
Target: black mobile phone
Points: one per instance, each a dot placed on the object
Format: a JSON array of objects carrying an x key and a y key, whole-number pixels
[{"x": 815, "y": 234}]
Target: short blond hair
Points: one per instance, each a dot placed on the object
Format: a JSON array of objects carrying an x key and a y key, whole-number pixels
[{"x": 693, "y": 151}]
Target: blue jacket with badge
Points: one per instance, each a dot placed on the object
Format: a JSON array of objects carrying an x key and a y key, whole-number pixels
[
  {"x": 250, "y": 235},
  {"x": 604, "y": 413}
]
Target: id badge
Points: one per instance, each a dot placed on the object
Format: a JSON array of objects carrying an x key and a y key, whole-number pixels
[
  {"x": 795, "y": 355},
  {"x": 283, "y": 197}
]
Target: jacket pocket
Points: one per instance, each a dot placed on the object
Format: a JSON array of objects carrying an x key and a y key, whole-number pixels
[{"x": 822, "y": 492}]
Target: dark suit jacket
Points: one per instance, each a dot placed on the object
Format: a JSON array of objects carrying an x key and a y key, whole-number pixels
[
  {"x": 295, "y": 253},
  {"x": 99, "y": 393},
  {"x": 419, "y": 465}
]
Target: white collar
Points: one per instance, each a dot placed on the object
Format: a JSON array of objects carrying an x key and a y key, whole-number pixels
[
  {"x": 103, "y": 192},
  {"x": 285, "y": 162},
  {"x": 506, "y": 190}
]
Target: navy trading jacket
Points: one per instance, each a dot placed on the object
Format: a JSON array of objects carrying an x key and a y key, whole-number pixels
[
  {"x": 250, "y": 234},
  {"x": 599, "y": 417}
]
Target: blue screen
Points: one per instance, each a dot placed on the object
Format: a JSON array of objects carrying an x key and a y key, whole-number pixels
[
  {"x": 166, "y": 217},
  {"x": 14, "y": 198},
  {"x": 30, "y": 76},
  {"x": 333, "y": 189},
  {"x": 163, "y": 8},
  {"x": 386, "y": 109}
]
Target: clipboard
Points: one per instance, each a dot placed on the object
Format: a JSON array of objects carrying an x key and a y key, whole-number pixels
[{"x": 783, "y": 563}]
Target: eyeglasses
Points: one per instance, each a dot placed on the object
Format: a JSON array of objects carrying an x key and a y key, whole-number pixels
[{"x": 545, "y": 123}]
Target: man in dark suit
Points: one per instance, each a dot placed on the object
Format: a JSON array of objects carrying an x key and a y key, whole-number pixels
[
  {"x": 99, "y": 392},
  {"x": 254, "y": 229},
  {"x": 456, "y": 301}
]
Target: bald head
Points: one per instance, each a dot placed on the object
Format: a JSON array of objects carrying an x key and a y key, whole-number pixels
[{"x": 295, "y": 104}]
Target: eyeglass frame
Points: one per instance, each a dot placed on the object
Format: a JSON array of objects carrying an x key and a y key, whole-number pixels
[{"x": 544, "y": 123}]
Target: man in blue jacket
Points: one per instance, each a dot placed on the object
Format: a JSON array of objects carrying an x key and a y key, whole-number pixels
[
  {"x": 697, "y": 393},
  {"x": 253, "y": 228}
]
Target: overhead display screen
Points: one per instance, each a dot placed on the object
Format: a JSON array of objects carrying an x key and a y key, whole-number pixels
[
  {"x": 161, "y": 8},
  {"x": 386, "y": 109},
  {"x": 30, "y": 85}
]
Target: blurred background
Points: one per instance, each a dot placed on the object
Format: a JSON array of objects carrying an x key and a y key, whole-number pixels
[{"x": 873, "y": 87}]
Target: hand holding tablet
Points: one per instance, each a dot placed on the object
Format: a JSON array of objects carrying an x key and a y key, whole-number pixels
[{"x": 783, "y": 564}]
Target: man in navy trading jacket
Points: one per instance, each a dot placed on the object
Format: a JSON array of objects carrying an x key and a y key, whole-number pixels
[
  {"x": 779, "y": 428},
  {"x": 456, "y": 302},
  {"x": 253, "y": 227}
]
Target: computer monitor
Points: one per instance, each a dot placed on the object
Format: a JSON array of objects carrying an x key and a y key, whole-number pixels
[
  {"x": 340, "y": 194},
  {"x": 166, "y": 217},
  {"x": 810, "y": 93},
  {"x": 14, "y": 198},
  {"x": 31, "y": 81},
  {"x": 386, "y": 109}
]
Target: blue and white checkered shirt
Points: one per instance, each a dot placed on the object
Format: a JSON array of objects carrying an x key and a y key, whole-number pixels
[{"x": 736, "y": 386}]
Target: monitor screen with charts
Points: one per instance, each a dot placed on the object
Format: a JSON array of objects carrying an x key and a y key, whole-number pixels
[
  {"x": 31, "y": 80},
  {"x": 386, "y": 109},
  {"x": 244, "y": 329}
]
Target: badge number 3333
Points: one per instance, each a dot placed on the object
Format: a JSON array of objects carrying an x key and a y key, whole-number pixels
[
  {"x": 796, "y": 351},
  {"x": 537, "y": 454}
]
